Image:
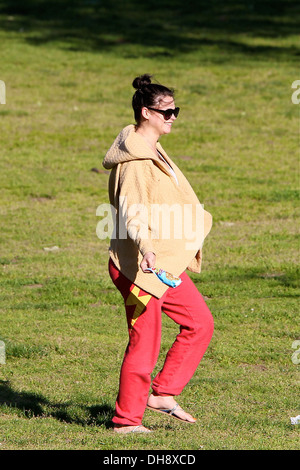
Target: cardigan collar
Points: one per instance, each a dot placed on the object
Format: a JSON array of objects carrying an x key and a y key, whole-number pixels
[{"x": 130, "y": 145}]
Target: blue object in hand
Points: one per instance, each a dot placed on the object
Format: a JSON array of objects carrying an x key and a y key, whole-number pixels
[{"x": 166, "y": 277}]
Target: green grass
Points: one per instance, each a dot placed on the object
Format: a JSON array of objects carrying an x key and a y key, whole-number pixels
[{"x": 68, "y": 93}]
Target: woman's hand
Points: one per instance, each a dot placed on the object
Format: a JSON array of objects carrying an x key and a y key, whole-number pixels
[{"x": 148, "y": 261}]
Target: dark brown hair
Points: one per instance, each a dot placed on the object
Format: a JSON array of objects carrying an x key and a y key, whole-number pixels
[{"x": 147, "y": 94}]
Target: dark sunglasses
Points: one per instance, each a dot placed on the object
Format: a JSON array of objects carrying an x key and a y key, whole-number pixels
[{"x": 167, "y": 112}]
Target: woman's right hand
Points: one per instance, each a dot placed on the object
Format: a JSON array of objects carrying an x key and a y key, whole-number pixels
[{"x": 148, "y": 261}]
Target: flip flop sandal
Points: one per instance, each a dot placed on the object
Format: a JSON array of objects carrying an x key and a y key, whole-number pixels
[
  {"x": 170, "y": 412},
  {"x": 136, "y": 429}
]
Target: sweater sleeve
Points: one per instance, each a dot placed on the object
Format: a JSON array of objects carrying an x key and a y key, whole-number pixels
[{"x": 134, "y": 202}]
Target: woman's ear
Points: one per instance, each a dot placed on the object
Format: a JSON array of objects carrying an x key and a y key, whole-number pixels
[{"x": 145, "y": 113}]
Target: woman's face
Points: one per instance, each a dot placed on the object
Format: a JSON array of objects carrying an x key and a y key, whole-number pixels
[{"x": 157, "y": 120}]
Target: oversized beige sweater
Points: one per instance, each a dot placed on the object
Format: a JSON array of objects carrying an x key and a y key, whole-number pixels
[{"x": 153, "y": 212}]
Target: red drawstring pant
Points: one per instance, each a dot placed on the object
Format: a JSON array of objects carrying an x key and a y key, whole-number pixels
[{"x": 185, "y": 306}]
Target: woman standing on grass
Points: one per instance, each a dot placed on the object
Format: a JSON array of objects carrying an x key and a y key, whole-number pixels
[{"x": 146, "y": 188}]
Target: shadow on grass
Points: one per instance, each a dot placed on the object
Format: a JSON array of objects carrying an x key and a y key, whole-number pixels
[
  {"x": 35, "y": 405},
  {"x": 173, "y": 26}
]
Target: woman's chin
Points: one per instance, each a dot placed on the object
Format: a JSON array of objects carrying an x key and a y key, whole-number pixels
[{"x": 167, "y": 128}]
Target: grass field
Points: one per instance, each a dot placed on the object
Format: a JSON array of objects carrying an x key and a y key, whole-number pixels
[{"x": 68, "y": 68}]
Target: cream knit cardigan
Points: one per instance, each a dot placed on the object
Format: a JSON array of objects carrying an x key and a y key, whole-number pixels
[{"x": 139, "y": 182}]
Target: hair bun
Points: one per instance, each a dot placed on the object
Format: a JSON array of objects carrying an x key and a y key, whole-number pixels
[{"x": 142, "y": 81}]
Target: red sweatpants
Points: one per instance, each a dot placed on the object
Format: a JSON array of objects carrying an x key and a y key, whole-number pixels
[{"x": 185, "y": 306}]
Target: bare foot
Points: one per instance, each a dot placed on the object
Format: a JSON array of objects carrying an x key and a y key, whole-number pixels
[
  {"x": 119, "y": 428},
  {"x": 169, "y": 403}
]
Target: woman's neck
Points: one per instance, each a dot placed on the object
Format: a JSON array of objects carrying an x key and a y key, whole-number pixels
[{"x": 150, "y": 138}]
